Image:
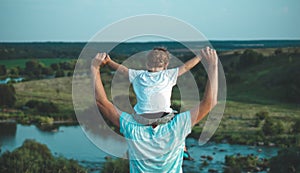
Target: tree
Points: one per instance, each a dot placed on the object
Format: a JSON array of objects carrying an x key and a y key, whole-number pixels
[
  {"x": 70, "y": 73},
  {"x": 42, "y": 107},
  {"x": 67, "y": 65},
  {"x": 55, "y": 66},
  {"x": 14, "y": 71},
  {"x": 36, "y": 157},
  {"x": 33, "y": 68},
  {"x": 47, "y": 71},
  {"x": 7, "y": 93},
  {"x": 287, "y": 160},
  {"x": 60, "y": 73},
  {"x": 3, "y": 70}
]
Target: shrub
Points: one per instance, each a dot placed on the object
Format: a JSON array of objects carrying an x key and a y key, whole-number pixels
[
  {"x": 32, "y": 103},
  {"x": 259, "y": 117},
  {"x": 249, "y": 163},
  {"x": 42, "y": 107},
  {"x": 116, "y": 165},
  {"x": 296, "y": 126},
  {"x": 233, "y": 78},
  {"x": 272, "y": 127},
  {"x": 262, "y": 115},
  {"x": 249, "y": 58},
  {"x": 47, "y": 107}
]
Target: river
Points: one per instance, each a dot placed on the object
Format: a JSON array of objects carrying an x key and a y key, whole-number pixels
[{"x": 71, "y": 142}]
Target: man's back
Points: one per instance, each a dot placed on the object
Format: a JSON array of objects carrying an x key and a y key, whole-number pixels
[{"x": 158, "y": 149}]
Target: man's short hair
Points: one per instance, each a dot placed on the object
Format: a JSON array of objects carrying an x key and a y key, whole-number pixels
[{"x": 158, "y": 57}]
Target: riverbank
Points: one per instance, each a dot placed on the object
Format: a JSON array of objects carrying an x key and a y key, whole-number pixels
[
  {"x": 70, "y": 141},
  {"x": 240, "y": 124}
]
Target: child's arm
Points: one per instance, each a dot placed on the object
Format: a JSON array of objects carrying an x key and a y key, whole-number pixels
[
  {"x": 189, "y": 65},
  {"x": 116, "y": 66}
]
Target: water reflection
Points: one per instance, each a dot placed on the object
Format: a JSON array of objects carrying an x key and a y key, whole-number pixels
[{"x": 7, "y": 132}]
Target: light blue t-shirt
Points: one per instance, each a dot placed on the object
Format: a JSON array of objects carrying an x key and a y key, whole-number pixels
[
  {"x": 153, "y": 89},
  {"x": 158, "y": 149}
]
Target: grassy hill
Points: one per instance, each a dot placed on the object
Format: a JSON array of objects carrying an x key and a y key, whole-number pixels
[{"x": 272, "y": 79}]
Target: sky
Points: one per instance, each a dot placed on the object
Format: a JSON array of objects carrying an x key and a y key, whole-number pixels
[{"x": 80, "y": 20}]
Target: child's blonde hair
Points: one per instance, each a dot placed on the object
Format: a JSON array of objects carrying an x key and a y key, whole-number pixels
[{"x": 158, "y": 57}]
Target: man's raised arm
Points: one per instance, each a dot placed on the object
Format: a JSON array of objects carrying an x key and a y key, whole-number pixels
[
  {"x": 105, "y": 106},
  {"x": 211, "y": 90}
]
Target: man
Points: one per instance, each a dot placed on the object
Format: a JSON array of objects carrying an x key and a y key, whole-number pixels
[{"x": 158, "y": 148}]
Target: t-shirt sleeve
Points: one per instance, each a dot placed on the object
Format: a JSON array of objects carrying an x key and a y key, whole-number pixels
[
  {"x": 173, "y": 75},
  {"x": 123, "y": 123},
  {"x": 133, "y": 74},
  {"x": 183, "y": 123}
]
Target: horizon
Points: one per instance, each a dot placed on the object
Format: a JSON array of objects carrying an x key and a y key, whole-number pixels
[{"x": 157, "y": 41}]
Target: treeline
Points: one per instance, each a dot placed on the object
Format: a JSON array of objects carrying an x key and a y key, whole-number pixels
[
  {"x": 40, "y": 50},
  {"x": 72, "y": 50}
]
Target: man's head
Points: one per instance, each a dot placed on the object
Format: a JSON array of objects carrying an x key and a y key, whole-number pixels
[{"x": 158, "y": 58}]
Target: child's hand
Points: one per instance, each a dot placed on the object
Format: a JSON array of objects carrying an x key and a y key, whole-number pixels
[{"x": 106, "y": 60}]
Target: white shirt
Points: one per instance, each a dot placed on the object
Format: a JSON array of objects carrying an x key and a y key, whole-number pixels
[{"x": 153, "y": 89}]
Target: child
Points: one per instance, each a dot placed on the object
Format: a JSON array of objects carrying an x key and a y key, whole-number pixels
[{"x": 153, "y": 87}]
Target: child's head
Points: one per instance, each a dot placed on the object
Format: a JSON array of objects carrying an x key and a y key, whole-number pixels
[{"x": 158, "y": 58}]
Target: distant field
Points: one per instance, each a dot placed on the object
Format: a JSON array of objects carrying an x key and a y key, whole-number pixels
[{"x": 21, "y": 62}]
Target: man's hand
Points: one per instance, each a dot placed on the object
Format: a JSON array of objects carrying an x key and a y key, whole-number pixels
[
  {"x": 210, "y": 55},
  {"x": 98, "y": 61}
]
